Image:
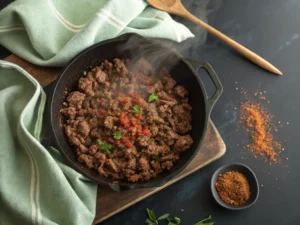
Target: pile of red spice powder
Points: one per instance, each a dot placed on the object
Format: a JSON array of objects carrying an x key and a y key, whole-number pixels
[{"x": 258, "y": 124}]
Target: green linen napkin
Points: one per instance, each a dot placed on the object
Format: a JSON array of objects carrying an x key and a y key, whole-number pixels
[
  {"x": 51, "y": 32},
  {"x": 36, "y": 185}
]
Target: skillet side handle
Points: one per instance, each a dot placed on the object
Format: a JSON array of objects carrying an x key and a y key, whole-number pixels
[
  {"x": 211, "y": 72},
  {"x": 47, "y": 139}
]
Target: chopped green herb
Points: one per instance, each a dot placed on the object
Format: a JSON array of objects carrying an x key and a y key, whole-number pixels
[
  {"x": 163, "y": 217},
  {"x": 150, "y": 222},
  {"x": 174, "y": 221},
  {"x": 203, "y": 222},
  {"x": 151, "y": 214},
  {"x": 117, "y": 135},
  {"x": 153, "y": 97},
  {"x": 153, "y": 220},
  {"x": 104, "y": 147},
  {"x": 84, "y": 73},
  {"x": 136, "y": 109}
]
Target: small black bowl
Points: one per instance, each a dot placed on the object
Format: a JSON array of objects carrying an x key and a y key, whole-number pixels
[{"x": 253, "y": 182}]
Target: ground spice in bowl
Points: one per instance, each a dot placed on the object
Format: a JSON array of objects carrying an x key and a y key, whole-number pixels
[{"x": 233, "y": 188}]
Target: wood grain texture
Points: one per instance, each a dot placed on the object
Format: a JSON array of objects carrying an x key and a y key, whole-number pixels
[{"x": 109, "y": 202}]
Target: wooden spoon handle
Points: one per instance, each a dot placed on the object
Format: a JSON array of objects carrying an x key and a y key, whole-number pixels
[{"x": 238, "y": 47}]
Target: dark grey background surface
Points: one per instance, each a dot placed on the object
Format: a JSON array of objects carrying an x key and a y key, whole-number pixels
[{"x": 270, "y": 28}]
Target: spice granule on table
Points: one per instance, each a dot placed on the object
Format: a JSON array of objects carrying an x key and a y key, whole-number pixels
[
  {"x": 258, "y": 124},
  {"x": 233, "y": 188}
]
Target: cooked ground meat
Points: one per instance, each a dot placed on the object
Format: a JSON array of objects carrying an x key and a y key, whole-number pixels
[{"x": 128, "y": 124}]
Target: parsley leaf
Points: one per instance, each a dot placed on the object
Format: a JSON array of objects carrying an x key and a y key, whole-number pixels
[
  {"x": 103, "y": 146},
  {"x": 174, "y": 221},
  {"x": 203, "y": 222},
  {"x": 165, "y": 216},
  {"x": 151, "y": 215},
  {"x": 152, "y": 220},
  {"x": 136, "y": 109},
  {"x": 117, "y": 135},
  {"x": 153, "y": 97}
]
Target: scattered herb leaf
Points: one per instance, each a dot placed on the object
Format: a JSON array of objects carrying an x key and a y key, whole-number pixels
[
  {"x": 153, "y": 97},
  {"x": 151, "y": 214},
  {"x": 84, "y": 73},
  {"x": 136, "y": 109},
  {"x": 103, "y": 146},
  {"x": 117, "y": 135},
  {"x": 203, "y": 222},
  {"x": 150, "y": 222},
  {"x": 171, "y": 221},
  {"x": 163, "y": 217},
  {"x": 174, "y": 221}
]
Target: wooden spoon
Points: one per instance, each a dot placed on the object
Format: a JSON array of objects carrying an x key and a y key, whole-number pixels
[{"x": 175, "y": 7}]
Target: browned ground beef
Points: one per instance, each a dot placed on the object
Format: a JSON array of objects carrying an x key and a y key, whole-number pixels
[{"x": 117, "y": 131}]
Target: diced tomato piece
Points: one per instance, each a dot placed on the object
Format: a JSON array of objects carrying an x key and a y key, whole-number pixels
[
  {"x": 137, "y": 102},
  {"x": 118, "y": 142},
  {"x": 141, "y": 117},
  {"x": 136, "y": 115},
  {"x": 124, "y": 120},
  {"x": 110, "y": 139},
  {"x": 102, "y": 112},
  {"x": 125, "y": 100},
  {"x": 146, "y": 131},
  {"x": 124, "y": 139},
  {"x": 128, "y": 144},
  {"x": 103, "y": 103},
  {"x": 134, "y": 123},
  {"x": 133, "y": 138}
]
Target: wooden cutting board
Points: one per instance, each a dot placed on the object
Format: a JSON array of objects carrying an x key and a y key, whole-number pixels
[{"x": 109, "y": 202}]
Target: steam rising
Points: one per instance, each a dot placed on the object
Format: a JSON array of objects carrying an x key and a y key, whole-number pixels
[
  {"x": 201, "y": 9},
  {"x": 156, "y": 55}
]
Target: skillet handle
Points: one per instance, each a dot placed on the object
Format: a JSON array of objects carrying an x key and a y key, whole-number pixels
[
  {"x": 48, "y": 138},
  {"x": 219, "y": 88}
]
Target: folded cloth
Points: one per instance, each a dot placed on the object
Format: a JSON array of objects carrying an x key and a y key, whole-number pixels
[
  {"x": 36, "y": 185},
  {"x": 51, "y": 32}
]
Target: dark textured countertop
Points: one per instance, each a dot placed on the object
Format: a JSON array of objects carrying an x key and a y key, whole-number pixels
[{"x": 271, "y": 29}]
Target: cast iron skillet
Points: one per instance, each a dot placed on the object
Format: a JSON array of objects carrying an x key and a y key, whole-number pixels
[{"x": 184, "y": 72}]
